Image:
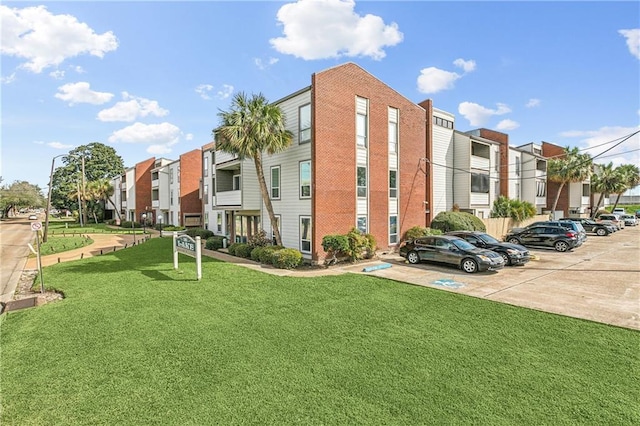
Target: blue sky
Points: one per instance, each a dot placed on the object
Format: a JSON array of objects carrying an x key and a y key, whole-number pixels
[{"x": 149, "y": 78}]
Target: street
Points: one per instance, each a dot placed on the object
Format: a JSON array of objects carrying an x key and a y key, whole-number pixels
[{"x": 15, "y": 234}]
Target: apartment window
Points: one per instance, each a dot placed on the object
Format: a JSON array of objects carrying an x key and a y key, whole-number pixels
[
  {"x": 393, "y": 130},
  {"x": 219, "y": 222},
  {"x": 155, "y": 195},
  {"x": 442, "y": 122},
  {"x": 273, "y": 234},
  {"x": 305, "y": 123},
  {"x": 171, "y": 197},
  {"x": 305, "y": 179},
  {"x": 178, "y": 173},
  {"x": 362, "y": 181},
  {"x": 361, "y": 129},
  {"x": 178, "y": 196},
  {"x": 541, "y": 188},
  {"x": 362, "y": 224},
  {"x": 393, "y": 184},
  {"x": 123, "y": 196},
  {"x": 541, "y": 165},
  {"x": 236, "y": 182},
  {"x": 170, "y": 175},
  {"x": 537, "y": 151},
  {"x": 205, "y": 194},
  {"x": 213, "y": 187},
  {"x": 206, "y": 220},
  {"x": 205, "y": 171},
  {"x": 305, "y": 234},
  {"x": 480, "y": 150},
  {"x": 275, "y": 182},
  {"x": 393, "y": 229},
  {"x": 480, "y": 182},
  {"x": 517, "y": 166},
  {"x": 517, "y": 194},
  {"x": 586, "y": 189}
]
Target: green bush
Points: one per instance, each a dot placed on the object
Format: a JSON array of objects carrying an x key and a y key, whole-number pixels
[
  {"x": 173, "y": 228},
  {"x": 129, "y": 224},
  {"x": 266, "y": 255},
  {"x": 420, "y": 231},
  {"x": 259, "y": 240},
  {"x": 335, "y": 245},
  {"x": 286, "y": 258},
  {"x": 359, "y": 245},
  {"x": 517, "y": 210},
  {"x": 457, "y": 221},
  {"x": 214, "y": 243},
  {"x": 243, "y": 250},
  {"x": 204, "y": 234},
  {"x": 232, "y": 248},
  {"x": 256, "y": 253}
]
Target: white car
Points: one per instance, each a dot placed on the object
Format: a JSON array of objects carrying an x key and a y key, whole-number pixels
[
  {"x": 33, "y": 217},
  {"x": 629, "y": 219}
]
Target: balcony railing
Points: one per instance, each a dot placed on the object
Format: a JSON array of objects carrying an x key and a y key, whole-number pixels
[{"x": 229, "y": 198}]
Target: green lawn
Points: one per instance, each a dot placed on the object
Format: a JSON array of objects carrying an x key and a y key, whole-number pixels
[
  {"x": 59, "y": 243},
  {"x": 67, "y": 228},
  {"x": 137, "y": 343}
]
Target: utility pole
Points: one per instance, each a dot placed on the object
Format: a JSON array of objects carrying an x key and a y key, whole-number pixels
[{"x": 84, "y": 195}]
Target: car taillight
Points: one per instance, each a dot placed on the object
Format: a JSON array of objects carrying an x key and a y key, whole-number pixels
[{"x": 570, "y": 234}]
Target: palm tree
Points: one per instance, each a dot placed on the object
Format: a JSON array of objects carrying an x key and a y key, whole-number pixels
[
  {"x": 605, "y": 181},
  {"x": 629, "y": 178},
  {"x": 250, "y": 127},
  {"x": 571, "y": 167},
  {"x": 103, "y": 190}
]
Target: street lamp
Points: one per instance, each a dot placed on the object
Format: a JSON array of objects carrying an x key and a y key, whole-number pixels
[
  {"x": 144, "y": 223},
  {"x": 46, "y": 214}
]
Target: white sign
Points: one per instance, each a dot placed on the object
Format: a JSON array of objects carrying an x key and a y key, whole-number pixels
[
  {"x": 36, "y": 226},
  {"x": 187, "y": 245}
]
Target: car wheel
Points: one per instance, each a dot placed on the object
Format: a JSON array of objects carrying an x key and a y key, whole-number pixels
[
  {"x": 507, "y": 262},
  {"x": 413, "y": 257},
  {"x": 561, "y": 246},
  {"x": 469, "y": 266},
  {"x": 601, "y": 232},
  {"x": 514, "y": 241}
]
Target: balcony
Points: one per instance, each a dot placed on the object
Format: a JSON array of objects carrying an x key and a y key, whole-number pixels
[
  {"x": 155, "y": 204},
  {"x": 229, "y": 198},
  {"x": 155, "y": 183},
  {"x": 541, "y": 201},
  {"x": 123, "y": 204}
]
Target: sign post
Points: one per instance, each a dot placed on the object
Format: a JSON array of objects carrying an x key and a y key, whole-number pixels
[
  {"x": 189, "y": 246},
  {"x": 37, "y": 227}
]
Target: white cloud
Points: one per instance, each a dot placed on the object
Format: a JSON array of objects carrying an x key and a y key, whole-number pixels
[
  {"x": 507, "y": 125},
  {"x": 467, "y": 66},
  {"x": 8, "y": 79},
  {"x": 59, "y": 145},
  {"x": 57, "y": 74},
  {"x": 132, "y": 108},
  {"x": 533, "y": 102},
  {"x": 39, "y": 142},
  {"x": 203, "y": 90},
  {"x": 78, "y": 69},
  {"x": 188, "y": 137},
  {"x": 153, "y": 134},
  {"x": 633, "y": 41},
  {"x": 479, "y": 115},
  {"x": 160, "y": 149},
  {"x": 47, "y": 40},
  {"x": 81, "y": 93},
  {"x": 596, "y": 142},
  {"x": 434, "y": 80},
  {"x": 320, "y": 29},
  {"x": 225, "y": 92},
  {"x": 264, "y": 65}
]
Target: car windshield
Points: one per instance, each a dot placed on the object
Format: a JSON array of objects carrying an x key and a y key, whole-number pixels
[
  {"x": 463, "y": 245},
  {"x": 488, "y": 239}
]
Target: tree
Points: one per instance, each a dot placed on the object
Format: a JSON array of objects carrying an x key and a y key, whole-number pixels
[
  {"x": 20, "y": 194},
  {"x": 100, "y": 162},
  {"x": 571, "y": 167},
  {"x": 606, "y": 180},
  {"x": 250, "y": 128},
  {"x": 629, "y": 178},
  {"x": 100, "y": 192},
  {"x": 517, "y": 210}
]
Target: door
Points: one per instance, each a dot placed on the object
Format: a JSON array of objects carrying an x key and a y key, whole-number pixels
[{"x": 446, "y": 253}]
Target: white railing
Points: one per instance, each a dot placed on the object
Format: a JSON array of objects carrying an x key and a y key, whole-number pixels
[{"x": 229, "y": 198}]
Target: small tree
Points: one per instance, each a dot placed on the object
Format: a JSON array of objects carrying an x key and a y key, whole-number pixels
[{"x": 515, "y": 209}]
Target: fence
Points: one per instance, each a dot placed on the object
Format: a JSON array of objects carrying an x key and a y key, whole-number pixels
[{"x": 499, "y": 226}]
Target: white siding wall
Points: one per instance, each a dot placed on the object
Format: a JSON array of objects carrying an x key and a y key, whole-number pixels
[
  {"x": 174, "y": 210},
  {"x": 208, "y": 180},
  {"x": 251, "y": 197},
  {"x": 442, "y": 155},
  {"x": 131, "y": 193},
  {"x": 462, "y": 177},
  {"x": 514, "y": 179},
  {"x": 290, "y": 206}
]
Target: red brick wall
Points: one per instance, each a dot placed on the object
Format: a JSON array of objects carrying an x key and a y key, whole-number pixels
[
  {"x": 143, "y": 187},
  {"x": 190, "y": 175},
  {"x": 550, "y": 150},
  {"x": 334, "y": 94},
  {"x": 503, "y": 140}
]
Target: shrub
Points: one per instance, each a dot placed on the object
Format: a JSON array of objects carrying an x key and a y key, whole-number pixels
[
  {"x": 214, "y": 243},
  {"x": 286, "y": 258},
  {"x": 259, "y": 240},
  {"x": 359, "y": 244},
  {"x": 457, "y": 221},
  {"x": 335, "y": 245},
  {"x": 517, "y": 210},
  {"x": 129, "y": 224},
  {"x": 232, "y": 248},
  {"x": 204, "y": 234},
  {"x": 243, "y": 250},
  {"x": 173, "y": 228},
  {"x": 256, "y": 252},
  {"x": 420, "y": 231},
  {"x": 266, "y": 255}
]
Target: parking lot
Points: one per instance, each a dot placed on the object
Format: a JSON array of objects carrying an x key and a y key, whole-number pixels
[{"x": 599, "y": 281}]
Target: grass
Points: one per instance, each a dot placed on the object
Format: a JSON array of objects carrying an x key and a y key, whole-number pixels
[
  {"x": 59, "y": 244},
  {"x": 136, "y": 343},
  {"x": 67, "y": 228},
  {"x": 628, "y": 208}
]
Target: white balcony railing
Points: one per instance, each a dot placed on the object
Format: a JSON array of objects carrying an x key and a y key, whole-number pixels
[
  {"x": 229, "y": 198},
  {"x": 155, "y": 183},
  {"x": 155, "y": 204},
  {"x": 541, "y": 201},
  {"x": 123, "y": 204}
]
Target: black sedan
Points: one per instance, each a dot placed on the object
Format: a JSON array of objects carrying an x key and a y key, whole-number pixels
[
  {"x": 513, "y": 254},
  {"x": 451, "y": 250},
  {"x": 557, "y": 237},
  {"x": 589, "y": 225}
]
